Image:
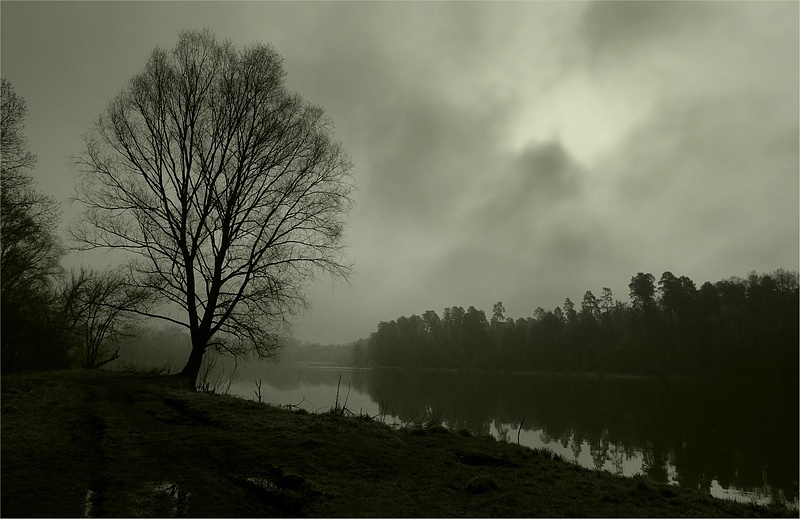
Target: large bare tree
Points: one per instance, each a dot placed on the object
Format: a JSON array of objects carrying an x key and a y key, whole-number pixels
[{"x": 227, "y": 189}]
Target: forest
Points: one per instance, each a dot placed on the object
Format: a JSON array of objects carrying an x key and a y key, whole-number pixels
[{"x": 734, "y": 328}]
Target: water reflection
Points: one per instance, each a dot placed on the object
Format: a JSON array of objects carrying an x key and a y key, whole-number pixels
[{"x": 698, "y": 434}]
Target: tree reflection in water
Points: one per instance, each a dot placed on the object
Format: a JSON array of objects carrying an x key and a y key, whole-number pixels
[{"x": 710, "y": 435}]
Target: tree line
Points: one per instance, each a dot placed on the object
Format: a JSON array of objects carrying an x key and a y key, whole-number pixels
[{"x": 736, "y": 327}]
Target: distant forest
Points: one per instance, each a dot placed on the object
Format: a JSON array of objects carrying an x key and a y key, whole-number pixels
[{"x": 732, "y": 328}]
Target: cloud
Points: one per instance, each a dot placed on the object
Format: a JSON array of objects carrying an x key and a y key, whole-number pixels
[
  {"x": 535, "y": 237},
  {"x": 701, "y": 181},
  {"x": 706, "y": 179},
  {"x": 422, "y": 156},
  {"x": 531, "y": 193},
  {"x": 522, "y": 152},
  {"x": 546, "y": 171},
  {"x": 624, "y": 26},
  {"x": 470, "y": 219},
  {"x": 710, "y": 181}
]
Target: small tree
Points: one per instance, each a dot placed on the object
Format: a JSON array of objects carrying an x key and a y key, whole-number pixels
[
  {"x": 227, "y": 190},
  {"x": 100, "y": 309},
  {"x": 498, "y": 311}
]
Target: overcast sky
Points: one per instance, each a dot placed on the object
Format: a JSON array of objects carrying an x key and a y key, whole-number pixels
[{"x": 516, "y": 152}]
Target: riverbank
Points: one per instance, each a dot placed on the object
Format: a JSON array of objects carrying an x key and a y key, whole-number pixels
[{"x": 79, "y": 443}]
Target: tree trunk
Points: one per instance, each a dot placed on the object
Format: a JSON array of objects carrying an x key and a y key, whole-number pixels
[{"x": 192, "y": 368}]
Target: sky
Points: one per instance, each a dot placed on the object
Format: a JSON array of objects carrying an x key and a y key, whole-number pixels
[{"x": 522, "y": 152}]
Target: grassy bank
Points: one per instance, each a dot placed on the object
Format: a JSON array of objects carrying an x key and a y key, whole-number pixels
[{"x": 110, "y": 444}]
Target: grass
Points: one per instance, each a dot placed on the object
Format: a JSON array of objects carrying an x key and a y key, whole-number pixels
[{"x": 80, "y": 443}]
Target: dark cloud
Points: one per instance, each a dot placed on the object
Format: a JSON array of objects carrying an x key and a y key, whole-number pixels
[
  {"x": 619, "y": 26},
  {"x": 528, "y": 189},
  {"x": 546, "y": 170},
  {"x": 535, "y": 227}
]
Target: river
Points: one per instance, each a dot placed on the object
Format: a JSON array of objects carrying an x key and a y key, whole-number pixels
[{"x": 735, "y": 440}]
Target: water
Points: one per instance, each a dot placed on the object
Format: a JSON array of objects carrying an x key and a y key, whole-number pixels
[{"x": 733, "y": 440}]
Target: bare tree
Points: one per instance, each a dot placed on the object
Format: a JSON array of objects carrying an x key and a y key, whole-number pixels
[
  {"x": 30, "y": 252},
  {"x": 14, "y": 145},
  {"x": 100, "y": 309},
  {"x": 228, "y": 191}
]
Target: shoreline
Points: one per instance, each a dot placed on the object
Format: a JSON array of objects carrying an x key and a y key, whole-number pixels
[{"x": 126, "y": 441}]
